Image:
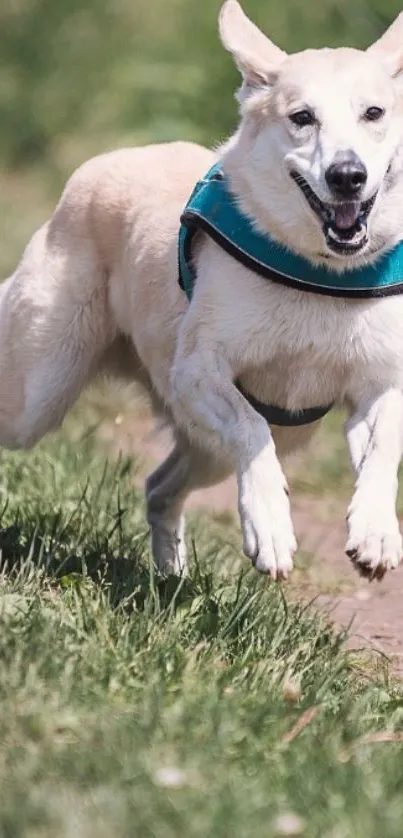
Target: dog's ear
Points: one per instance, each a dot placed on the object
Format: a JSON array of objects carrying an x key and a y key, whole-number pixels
[
  {"x": 390, "y": 47},
  {"x": 257, "y": 58}
]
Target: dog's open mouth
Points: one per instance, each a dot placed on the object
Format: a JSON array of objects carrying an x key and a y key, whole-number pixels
[{"x": 344, "y": 222}]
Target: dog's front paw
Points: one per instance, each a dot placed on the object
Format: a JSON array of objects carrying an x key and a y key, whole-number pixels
[
  {"x": 268, "y": 534},
  {"x": 374, "y": 543}
]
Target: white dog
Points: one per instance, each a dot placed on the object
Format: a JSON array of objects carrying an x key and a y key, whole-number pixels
[{"x": 316, "y": 166}]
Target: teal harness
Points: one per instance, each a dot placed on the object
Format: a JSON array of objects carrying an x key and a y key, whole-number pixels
[{"x": 213, "y": 209}]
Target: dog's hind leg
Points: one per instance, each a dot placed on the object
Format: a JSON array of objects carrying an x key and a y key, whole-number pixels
[
  {"x": 167, "y": 488},
  {"x": 165, "y": 495},
  {"x": 54, "y": 329}
]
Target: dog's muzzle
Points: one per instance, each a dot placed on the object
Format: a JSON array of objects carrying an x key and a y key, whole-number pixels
[{"x": 344, "y": 223}]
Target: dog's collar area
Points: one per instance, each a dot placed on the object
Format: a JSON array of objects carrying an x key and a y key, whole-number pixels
[
  {"x": 213, "y": 208},
  {"x": 344, "y": 223}
]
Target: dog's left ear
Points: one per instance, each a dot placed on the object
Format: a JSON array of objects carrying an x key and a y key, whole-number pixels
[
  {"x": 257, "y": 58},
  {"x": 390, "y": 47}
]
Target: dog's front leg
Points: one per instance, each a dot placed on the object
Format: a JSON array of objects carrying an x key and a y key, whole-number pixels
[
  {"x": 375, "y": 439},
  {"x": 211, "y": 409}
]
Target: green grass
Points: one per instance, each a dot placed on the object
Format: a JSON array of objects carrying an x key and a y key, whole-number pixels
[{"x": 133, "y": 706}]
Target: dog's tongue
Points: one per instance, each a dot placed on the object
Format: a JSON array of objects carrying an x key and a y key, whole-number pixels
[{"x": 346, "y": 215}]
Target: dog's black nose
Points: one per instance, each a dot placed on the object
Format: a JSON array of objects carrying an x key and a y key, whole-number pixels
[{"x": 346, "y": 176}]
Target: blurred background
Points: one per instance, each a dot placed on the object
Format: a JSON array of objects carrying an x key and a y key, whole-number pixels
[{"x": 78, "y": 77}]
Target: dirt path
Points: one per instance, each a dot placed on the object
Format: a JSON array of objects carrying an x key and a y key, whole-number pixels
[{"x": 374, "y": 609}]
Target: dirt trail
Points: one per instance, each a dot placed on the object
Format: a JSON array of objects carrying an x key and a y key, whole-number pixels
[{"x": 375, "y": 609}]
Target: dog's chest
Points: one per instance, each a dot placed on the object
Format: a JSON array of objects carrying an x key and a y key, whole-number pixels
[{"x": 323, "y": 352}]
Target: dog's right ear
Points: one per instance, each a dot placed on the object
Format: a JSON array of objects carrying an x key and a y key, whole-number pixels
[{"x": 257, "y": 58}]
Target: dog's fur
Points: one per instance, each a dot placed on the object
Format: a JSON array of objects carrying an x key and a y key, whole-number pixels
[{"x": 97, "y": 289}]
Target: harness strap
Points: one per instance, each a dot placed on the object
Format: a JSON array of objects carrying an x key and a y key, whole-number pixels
[
  {"x": 280, "y": 416},
  {"x": 213, "y": 208}
]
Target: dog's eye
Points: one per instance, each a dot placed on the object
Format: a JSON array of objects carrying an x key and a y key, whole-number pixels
[
  {"x": 373, "y": 114},
  {"x": 302, "y": 118}
]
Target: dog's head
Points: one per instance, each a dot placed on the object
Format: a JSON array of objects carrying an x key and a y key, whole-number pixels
[{"x": 318, "y": 157}]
